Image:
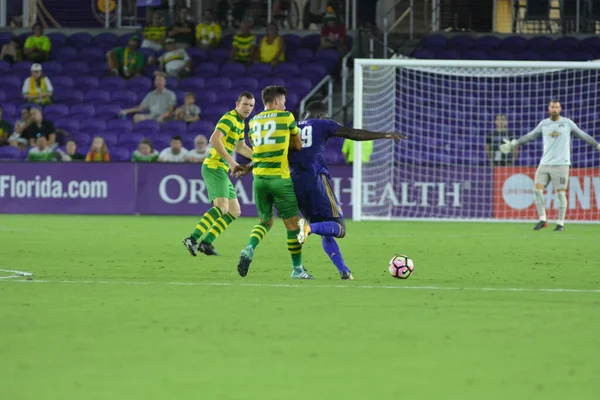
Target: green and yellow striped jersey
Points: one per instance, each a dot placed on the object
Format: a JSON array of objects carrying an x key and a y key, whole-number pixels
[
  {"x": 232, "y": 127},
  {"x": 243, "y": 44},
  {"x": 156, "y": 33},
  {"x": 270, "y": 132}
]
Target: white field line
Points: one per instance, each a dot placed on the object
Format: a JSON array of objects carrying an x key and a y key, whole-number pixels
[
  {"x": 15, "y": 274},
  {"x": 309, "y": 286}
]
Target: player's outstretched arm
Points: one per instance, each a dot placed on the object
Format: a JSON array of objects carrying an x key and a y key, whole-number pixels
[
  {"x": 584, "y": 136},
  {"x": 363, "y": 134},
  {"x": 509, "y": 145}
]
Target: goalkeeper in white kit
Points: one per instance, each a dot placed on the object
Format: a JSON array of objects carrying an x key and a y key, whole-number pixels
[{"x": 554, "y": 165}]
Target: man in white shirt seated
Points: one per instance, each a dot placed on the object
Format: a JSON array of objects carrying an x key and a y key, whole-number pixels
[
  {"x": 175, "y": 62},
  {"x": 159, "y": 104},
  {"x": 37, "y": 88},
  {"x": 175, "y": 153},
  {"x": 200, "y": 150}
]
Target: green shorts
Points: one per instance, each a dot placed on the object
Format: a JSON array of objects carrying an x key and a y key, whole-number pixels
[
  {"x": 217, "y": 183},
  {"x": 278, "y": 192}
]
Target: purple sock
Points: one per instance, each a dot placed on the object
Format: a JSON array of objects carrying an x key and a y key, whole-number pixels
[
  {"x": 333, "y": 251},
  {"x": 326, "y": 229}
]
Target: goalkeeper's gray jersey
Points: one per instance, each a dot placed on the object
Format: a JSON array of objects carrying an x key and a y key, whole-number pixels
[{"x": 557, "y": 140}]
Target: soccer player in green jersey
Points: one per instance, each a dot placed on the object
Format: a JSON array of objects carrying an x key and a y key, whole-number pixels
[
  {"x": 273, "y": 132},
  {"x": 228, "y": 135}
]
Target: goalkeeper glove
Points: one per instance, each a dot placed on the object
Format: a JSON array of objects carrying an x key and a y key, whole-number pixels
[{"x": 508, "y": 145}]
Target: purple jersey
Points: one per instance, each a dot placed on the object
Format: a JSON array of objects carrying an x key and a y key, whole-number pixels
[{"x": 314, "y": 134}]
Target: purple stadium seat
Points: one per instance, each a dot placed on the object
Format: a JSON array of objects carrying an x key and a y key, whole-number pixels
[
  {"x": 258, "y": 71},
  {"x": 554, "y": 56},
  {"x": 434, "y": 42},
  {"x": 149, "y": 70},
  {"x": 62, "y": 82},
  {"x": 76, "y": 68},
  {"x": 500, "y": 55},
  {"x": 221, "y": 56},
  {"x": 97, "y": 96},
  {"x": 206, "y": 70},
  {"x": 527, "y": 55},
  {"x": 580, "y": 56},
  {"x": 300, "y": 86},
  {"x": 591, "y": 43},
  {"x": 121, "y": 125},
  {"x": 172, "y": 83},
  {"x": 83, "y": 139},
  {"x": 245, "y": 83},
  {"x": 79, "y": 40},
  {"x": 68, "y": 125},
  {"x": 287, "y": 69},
  {"x": 68, "y": 96},
  {"x": 191, "y": 84},
  {"x": 218, "y": 84},
  {"x": 448, "y": 54},
  {"x": 567, "y": 43},
  {"x": 111, "y": 138},
  {"x": 513, "y": 43},
  {"x": 5, "y": 37},
  {"x": 57, "y": 39},
  {"x": 540, "y": 43},
  {"x": 21, "y": 67},
  {"x": 160, "y": 142},
  {"x": 311, "y": 42},
  {"x": 130, "y": 140},
  {"x": 460, "y": 42},
  {"x": 4, "y": 67},
  {"x": 314, "y": 72},
  {"x": 119, "y": 154},
  {"x": 108, "y": 39},
  {"x": 9, "y": 110},
  {"x": 9, "y": 153},
  {"x": 139, "y": 83},
  {"x": 124, "y": 96},
  {"x": 197, "y": 55},
  {"x": 424, "y": 54},
  {"x": 487, "y": 43},
  {"x": 302, "y": 56},
  {"x": 106, "y": 110},
  {"x": 92, "y": 53},
  {"x": 474, "y": 55},
  {"x": 147, "y": 52},
  {"x": 65, "y": 53},
  {"x": 176, "y": 127},
  {"x": 203, "y": 127},
  {"x": 92, "y": 125},
  {"x": 59, "y": 109},
  {"x": 112, "y": 83},
  {"x": 205, "y": 98},
  {"x": 232, "y": 70},
  {"x": 2, "y": 96},
  {"x": 270, "y": 81},
  {"x": 123, "y": 39},
  {"x": 292, "y": 41},
  {"x": 147, "y": 127},
  {"x": 213, "y": 113},
  {"x": 228, "y": 96},
  {"x": 86, "y": 83},
  {"x": 52, "y": 68}
]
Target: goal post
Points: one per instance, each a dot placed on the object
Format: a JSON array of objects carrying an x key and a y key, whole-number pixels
[{"x": 455, "y": 114}]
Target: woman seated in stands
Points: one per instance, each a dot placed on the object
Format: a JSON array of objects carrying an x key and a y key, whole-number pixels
[
  {"x": 98, "y": 152},
  {"x": 272, "y": 47}
]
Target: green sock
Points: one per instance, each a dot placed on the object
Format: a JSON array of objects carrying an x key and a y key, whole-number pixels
[
  {"x": 218, "y": 227},
  {"x": 294, "y": 247},
  {"x": 208, "y": 220},
  {"x": 258, "y": 233}
]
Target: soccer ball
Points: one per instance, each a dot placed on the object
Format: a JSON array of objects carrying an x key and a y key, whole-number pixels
[{"x": 401, "y": 266}]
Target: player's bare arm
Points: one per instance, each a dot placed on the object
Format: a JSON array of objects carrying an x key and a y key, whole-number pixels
[
  {"x": 363, "y": 134},
  {"x": 216, "y": 140},
  {"x": 243, "y": 149}
]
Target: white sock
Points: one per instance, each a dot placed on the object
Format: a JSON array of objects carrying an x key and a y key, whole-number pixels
[
  {"x": 540, "y": 203},
  {"x": 562, "y": 207}
]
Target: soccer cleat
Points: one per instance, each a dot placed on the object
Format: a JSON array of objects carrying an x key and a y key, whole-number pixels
[
  {"x": 304, "y": 227},
  {"x": 300, "y": 273},
  {"x": 245, "y": 260},
  {"x": 346, "y": 275},
  {"x": 559, "y": 228},
  {"x": 207, "y": 248},
  {"x": 190, "y": 244},
  {"x": 540, "y": 225}
]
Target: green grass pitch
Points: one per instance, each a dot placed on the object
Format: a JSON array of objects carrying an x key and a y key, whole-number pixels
[{"x": 117, "y": 309}]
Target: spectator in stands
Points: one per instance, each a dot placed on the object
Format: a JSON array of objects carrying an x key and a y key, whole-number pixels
[
  {"x": 145, "y": 152},
  {"x": 495, "y": 138},
  {"x": 189, "y": 112},
  {"x": 175, "y": 153},
  {"x": 37, "y": 46},
  {"x": 159, "y": 103},
  {"x": 348, "y": 151},
  {"x": 154, "y": 33},
  {"x": 183, "y": 31},
  {"x": 39, "y": 126},
  {"x": 200, "y": 151},
  {"x": 11, "y": 52},
  {"x": 314, "y": 12},
  {"x": 333, "y": 34},
  {"x": 243, "y": 49},
  {"x": 126, "y": 61},
  {"x": 98, "y": 152},
  {"x": 175, "y": 62},
  {"x": 272, "y": 47},
  {"x": 16, "y": 139},
  {"x": 5, "y": 130},
  {"x": 70, "y": 153},
  {"x": 41, "y": 151},
  {"x": 37, "y": 88},
  {"x": 208, "y": 33}
]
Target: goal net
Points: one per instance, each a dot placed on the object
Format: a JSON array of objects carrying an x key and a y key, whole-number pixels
[{"x": 455, "y": 114}]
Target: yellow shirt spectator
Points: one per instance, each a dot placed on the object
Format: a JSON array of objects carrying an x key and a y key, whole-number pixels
[
  {"x": 41, "y": 42},
  {"x": 348, "y": 150},
  {"x": 208, "y": 34},
  {"x": 271, "y": 53}
]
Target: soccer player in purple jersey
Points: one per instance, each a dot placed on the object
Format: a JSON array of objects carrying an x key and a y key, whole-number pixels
[{"x": 312, "y": 184}]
